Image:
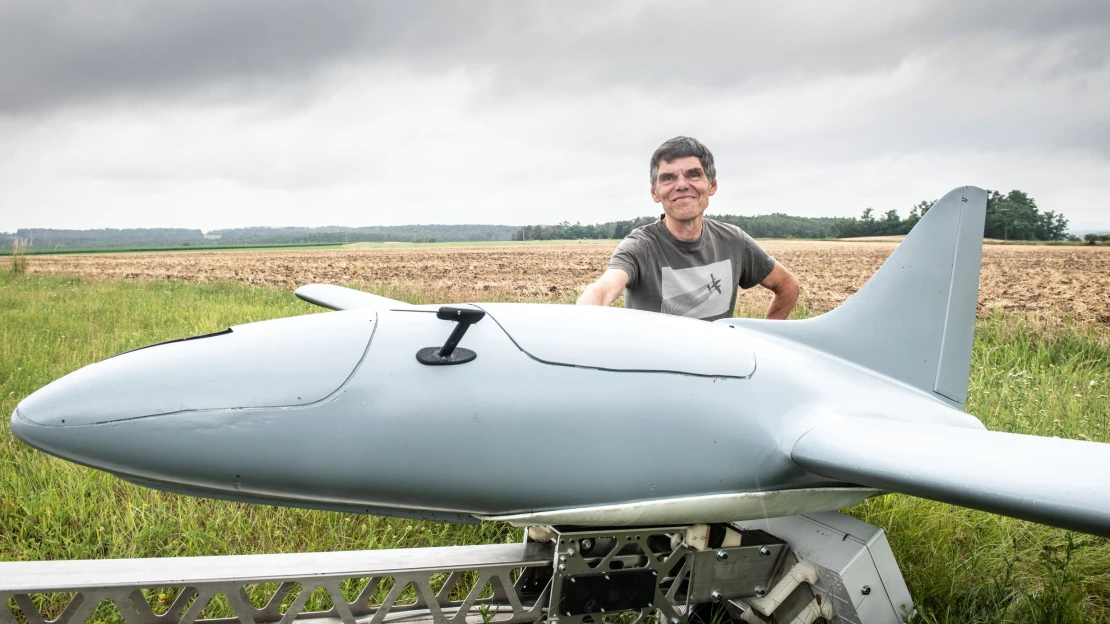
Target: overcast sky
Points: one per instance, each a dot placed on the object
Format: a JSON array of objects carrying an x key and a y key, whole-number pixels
[{"x": 210, "y": 114}]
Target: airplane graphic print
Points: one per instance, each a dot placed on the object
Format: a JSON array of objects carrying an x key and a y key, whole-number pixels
[
  {"x": 697, "y": 291},
  {"x": 715, "y": 283}
]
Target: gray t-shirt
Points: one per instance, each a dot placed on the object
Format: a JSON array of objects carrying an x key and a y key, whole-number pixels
[{"x": 696, "y": 279}]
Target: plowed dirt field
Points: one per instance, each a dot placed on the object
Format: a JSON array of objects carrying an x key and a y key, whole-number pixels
[{"x": 1053, "y": 282}]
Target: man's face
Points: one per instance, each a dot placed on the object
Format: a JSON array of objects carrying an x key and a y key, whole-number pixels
[{"x": 683, "y": 188}]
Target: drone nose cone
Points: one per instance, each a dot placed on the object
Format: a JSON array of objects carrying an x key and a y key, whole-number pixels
[
  {"x": 41, "y": 431},
  {"x": 23, "y": 427},
  {"x": 280, "y": 363},
  {"x": 47, "y": 407}
]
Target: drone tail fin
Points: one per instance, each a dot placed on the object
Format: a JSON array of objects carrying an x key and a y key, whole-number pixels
[{"x": 914, "y": 320}]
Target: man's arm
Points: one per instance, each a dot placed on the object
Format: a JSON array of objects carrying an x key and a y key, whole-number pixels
[
  {"x": 785, "y": 286},
  {"x": 606, "y": 289}
]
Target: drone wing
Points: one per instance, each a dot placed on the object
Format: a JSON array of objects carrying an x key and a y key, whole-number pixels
[
  {"x": 340, "y": 298},
  {"x": 1064, "y": 483}
]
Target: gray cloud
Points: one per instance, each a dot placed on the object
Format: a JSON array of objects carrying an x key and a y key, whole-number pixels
[
  {"x": 64, "y": 53},
  {"x": 57, "y": 54}
]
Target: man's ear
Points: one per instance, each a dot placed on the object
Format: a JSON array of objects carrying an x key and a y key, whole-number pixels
[
  {"x": 713, "y": 186},
  {"x": 654, "y": 195}
]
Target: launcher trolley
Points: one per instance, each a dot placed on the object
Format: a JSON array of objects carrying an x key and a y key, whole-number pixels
[{"x": 796, "y": 569}]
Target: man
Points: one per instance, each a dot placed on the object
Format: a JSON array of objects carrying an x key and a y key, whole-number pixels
[{"x": 685, "y": 264}]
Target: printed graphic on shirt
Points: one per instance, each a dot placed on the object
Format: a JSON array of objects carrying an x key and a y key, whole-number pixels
[{"x": 698, "y": 292}]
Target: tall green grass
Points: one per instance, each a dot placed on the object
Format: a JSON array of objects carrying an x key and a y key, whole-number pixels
[{"x": 961, "y": 565}]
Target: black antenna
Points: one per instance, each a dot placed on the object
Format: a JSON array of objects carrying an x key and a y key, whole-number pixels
[{"x": 450, "y": 352}]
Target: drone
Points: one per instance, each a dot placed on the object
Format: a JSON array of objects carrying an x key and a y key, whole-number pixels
[{"x": 664, "y": 466}]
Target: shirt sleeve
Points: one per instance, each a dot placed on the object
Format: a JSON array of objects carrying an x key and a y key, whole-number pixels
[
  {"x": 755, "y": 263},
  {"x": 626, "y": 257}
]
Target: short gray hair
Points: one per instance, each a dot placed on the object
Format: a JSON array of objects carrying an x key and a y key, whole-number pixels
[{"x": 683, "y": 147}]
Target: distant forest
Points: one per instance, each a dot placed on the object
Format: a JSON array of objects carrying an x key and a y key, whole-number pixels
[
  {"x": 760, "y": 226},
  {"x": 1013, "y": 216},
  {"x": 45, "y": 239}
]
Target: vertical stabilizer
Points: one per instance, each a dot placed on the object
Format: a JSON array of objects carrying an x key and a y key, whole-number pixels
[{"x": 914, "y": 320}]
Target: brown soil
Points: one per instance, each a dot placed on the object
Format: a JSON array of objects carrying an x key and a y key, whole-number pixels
[{"x": 1054, "y": 282}]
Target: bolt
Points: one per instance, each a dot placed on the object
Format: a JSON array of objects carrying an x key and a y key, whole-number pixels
[
  {"x": 562, "y": 567},
  {"x": 602, "y": 609},
  {"x": 717, "y": 597},
  {"x": 760, "y": 591},
  {"x": 675, "y": 620},
  {"x": 566, "y": 612},
  {"x": 573, "y": 580},
  {"x": 654, "y": 573},
  {"x": 570, "y": 552},
  {"x": 866, "y": 590},
  {"x": 607, "y": 577},
  {"x": 722, "y": 554},
  {"x": 562, "y": 558},
  {"x": 650, "y": 606},
  {"x": 764, "y": 551},
  {"x": 587, "y": 544}
]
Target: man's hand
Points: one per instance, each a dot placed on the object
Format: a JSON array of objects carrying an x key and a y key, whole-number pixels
[
  {"x": 606, "y": 289},
  {"x": 785, "y": 286}
]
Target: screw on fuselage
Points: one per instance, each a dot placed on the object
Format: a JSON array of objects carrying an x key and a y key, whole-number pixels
[
  {"x": 722, "y": 554},
  {"x": 865, "y": 590},
  {"x": 760, "y": 591},
  {"x": 586, "y": 544},
  {"x": 716, "y": 595},
  {"x": 764, "y": 551}
]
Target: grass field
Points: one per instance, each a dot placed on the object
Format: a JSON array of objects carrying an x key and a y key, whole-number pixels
[{"x": 961, "y": 565}]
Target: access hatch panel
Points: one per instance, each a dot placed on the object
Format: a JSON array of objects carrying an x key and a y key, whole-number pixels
[{"x": 618, "y": 339}]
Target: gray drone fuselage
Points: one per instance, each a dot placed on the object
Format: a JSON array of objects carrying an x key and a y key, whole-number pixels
[
  {"x": 544, "y": 419},
  {"x": 576, "y": 415}
]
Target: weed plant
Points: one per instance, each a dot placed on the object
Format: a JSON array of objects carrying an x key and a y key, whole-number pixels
[
  {"x": 961, "y": 565},
  {"x": 19, "y": 256}
]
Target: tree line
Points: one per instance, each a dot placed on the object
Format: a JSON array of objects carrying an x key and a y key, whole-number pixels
[
  {"x": 775, "y": 225},
  {"x": 1013, "y": 216},
  {"x": 50, "y": 239}
]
